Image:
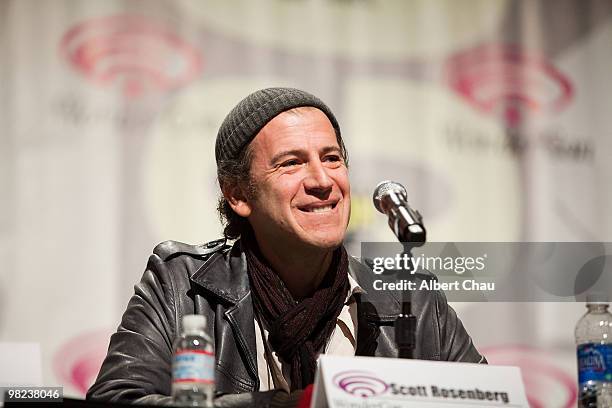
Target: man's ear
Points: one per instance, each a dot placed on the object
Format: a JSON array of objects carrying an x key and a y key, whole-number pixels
[{"x": 236, "y": 198}]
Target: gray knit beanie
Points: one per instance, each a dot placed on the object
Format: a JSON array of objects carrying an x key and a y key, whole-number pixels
[{"x": 253, "y": 112}]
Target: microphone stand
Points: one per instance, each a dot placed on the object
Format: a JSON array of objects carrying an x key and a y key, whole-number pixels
[
  {"x": 407, "y": 225},
  {"x": 405, "y": 324}
]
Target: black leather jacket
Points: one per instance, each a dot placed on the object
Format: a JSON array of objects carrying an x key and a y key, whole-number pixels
[{"x": 212, "y": 280}]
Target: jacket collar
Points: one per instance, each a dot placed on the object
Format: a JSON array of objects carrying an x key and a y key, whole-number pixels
[{"x": 225, "y": 274}]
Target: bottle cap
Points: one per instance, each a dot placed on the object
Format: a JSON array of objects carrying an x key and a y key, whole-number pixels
[
  {"x": 597, "y": 298},
  {"x": 194, "y": 323}
]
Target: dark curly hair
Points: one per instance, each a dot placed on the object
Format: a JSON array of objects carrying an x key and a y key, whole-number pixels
[{"x": 237, "y": 172}]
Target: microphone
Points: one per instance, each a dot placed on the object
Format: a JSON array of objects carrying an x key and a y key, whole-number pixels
[{"x": 390, "y": 198}]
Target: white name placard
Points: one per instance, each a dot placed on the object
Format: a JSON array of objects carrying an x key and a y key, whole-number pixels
[
  {"x": 368, "y": 382},
  {"x": 20, "y": 364}
]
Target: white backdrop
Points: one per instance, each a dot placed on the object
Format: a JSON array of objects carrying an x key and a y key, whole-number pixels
[{"x": 494, "y": 114}]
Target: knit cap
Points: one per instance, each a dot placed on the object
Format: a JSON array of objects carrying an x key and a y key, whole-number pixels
[{"x": 251, "y": 114}]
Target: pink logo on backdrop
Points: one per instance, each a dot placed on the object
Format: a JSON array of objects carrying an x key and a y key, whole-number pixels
[
  {"x": 543, "y": 379},
  {"x": 136, "y": 53},
  {"x": 360, "y": 383},
  {"x": 504, "y": 80},
  {"x": 78, "y": 361}
]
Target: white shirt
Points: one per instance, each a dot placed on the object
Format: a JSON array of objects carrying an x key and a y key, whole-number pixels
[{"x": 342, "y": 342}]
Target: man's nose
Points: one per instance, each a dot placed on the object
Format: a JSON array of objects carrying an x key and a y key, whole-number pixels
[{"x": 317, "y": 179}]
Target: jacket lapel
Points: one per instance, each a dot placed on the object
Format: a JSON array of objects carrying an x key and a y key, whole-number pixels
[
  {"x": 225, "y": 276},
  {"x": 240, "y": 318},
  {"x": 376, "y": 313}
]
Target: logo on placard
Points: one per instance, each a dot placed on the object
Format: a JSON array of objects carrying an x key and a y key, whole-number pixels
[
  {"x": 136, "y": 53},
  {"x": 360, "y": 383},
  {"x": 504, "y": 80}
]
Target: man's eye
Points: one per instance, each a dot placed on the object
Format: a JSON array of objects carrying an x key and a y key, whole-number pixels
[
  {"x": 289, "y": 163},
  {"x": 332, "y": 158}
]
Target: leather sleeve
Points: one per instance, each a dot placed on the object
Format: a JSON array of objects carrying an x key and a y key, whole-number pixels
[
  {"x": 137, "y": 368},
  {"x": 456, "y": 343}
]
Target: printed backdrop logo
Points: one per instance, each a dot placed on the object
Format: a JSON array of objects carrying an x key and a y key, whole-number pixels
[
  {"x": 360, "y": 383},
  {"x": 503, "y": 80},
  {"x": 137, "y": 53},
  {"x": 546, "y": 383},
  {"x": 78, "y": 360}
]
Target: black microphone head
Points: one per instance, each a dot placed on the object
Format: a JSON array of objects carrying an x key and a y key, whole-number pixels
[{"x": 385, "y": 187}]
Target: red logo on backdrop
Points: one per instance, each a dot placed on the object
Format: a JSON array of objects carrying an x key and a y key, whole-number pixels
[
  {"x": 543, "y": 379},
  {"x": 78, "y": 361},
  {"x": 503, "y": 80},
  {"x": 139, "y": 54}
]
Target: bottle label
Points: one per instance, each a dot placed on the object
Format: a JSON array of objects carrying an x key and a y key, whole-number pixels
[
  {"x": 594, "y": 362},
  {"x": 193, "y": 366}
]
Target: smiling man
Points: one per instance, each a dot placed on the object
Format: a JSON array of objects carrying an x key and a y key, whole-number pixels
[
  {"x": 286, "y": 290},
  {"x": 300, "y": 205}
]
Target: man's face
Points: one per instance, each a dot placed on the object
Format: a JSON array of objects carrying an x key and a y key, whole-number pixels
[{"x": 301, "y": 180}]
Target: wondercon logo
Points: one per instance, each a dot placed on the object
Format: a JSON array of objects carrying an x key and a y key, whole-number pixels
[
  {"x": 78, "y": 360},
  {"x": 360, "y": 383},
  {"x": 504, "y": 80},
  {"x": 134, "y": 52}
]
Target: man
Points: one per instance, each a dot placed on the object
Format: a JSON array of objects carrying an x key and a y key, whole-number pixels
[{"x": 286, "y": 290}]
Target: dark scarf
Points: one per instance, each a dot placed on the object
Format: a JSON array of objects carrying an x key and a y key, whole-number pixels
[{"x": 298, "y": 330}]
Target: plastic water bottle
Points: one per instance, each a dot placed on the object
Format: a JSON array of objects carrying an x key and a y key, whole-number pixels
[
  {"x": 594, "y": 341},
  {"x": 193, "y": 365}
]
